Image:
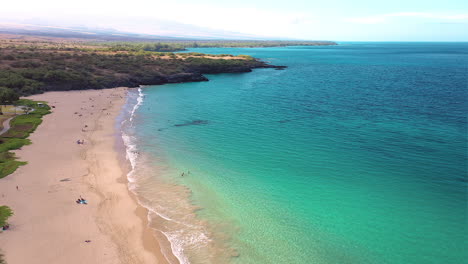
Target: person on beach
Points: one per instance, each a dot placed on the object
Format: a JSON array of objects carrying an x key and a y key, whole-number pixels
[{"x": 81, "y": 200}]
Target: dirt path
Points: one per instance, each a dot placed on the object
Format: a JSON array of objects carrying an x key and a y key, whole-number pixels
[{"x": 6, "y": 125}]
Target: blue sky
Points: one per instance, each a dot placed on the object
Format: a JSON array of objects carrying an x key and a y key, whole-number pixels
[{"x": 341, "y": 20}]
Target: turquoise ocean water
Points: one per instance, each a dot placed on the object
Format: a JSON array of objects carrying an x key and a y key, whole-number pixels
[{"x": 355, "y": 153}]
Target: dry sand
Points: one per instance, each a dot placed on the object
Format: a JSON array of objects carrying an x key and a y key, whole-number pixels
[{"x": 48, "y": 225}]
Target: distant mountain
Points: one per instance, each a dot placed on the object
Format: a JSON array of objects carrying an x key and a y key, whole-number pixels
[
  {"x": 123, "y": 29},
  {"x": 78, "y": 32}
]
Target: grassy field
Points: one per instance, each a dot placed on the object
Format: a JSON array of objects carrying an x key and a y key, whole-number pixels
[{"x": 16, "y": 137}]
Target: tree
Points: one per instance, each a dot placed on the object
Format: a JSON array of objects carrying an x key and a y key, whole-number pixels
[
  {"x": 13, "y": 96},
  {"x": 8, "y": 96},
  {"x": 28, "y": 109}
]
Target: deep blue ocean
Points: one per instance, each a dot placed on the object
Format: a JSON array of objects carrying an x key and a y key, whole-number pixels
[{"x": 355, "y": 153}]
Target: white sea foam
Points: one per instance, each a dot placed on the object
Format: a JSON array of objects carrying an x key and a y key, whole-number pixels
[
  {"x": 131, "y": 148},
  {"x": 186, "y": 236},
  {"x": 131, "y": 155},
  {"x": 177, "y": 246},
  {"x": 165, "y": 217},
  {"x": 137, "y": 105},
  {"x": 180, "y": 240},
  {"x": 177, "y": 239}
]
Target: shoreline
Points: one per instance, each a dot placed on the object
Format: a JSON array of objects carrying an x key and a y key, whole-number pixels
[
  {"x": 153, "y": 239},
  {"x": 171, "y": 213},
  {"x": 48, "y": 226}
]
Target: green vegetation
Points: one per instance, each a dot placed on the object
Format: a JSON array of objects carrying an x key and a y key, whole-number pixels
[
  {"x": 40, "y": 68},
  {"x": 8, "y": 96},
  {"x": 16, "y": 137},
  {"x": 5, "y": 213},
  {"x": 139, "y": 46},
  {"x": 23, "y": 125},
  {"x": 248, "y": 43},
  {"x": 156, "y": 45},
  {"x": 179, "y": 45}
]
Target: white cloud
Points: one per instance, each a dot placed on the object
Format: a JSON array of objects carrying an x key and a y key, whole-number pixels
[
  {"x": 259, "y": 21},
  {"x": 143, "y": 16},
  {"x": 386, "y": 17}
]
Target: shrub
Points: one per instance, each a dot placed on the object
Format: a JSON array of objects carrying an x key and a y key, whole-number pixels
[{"x": 5, "y": 213}]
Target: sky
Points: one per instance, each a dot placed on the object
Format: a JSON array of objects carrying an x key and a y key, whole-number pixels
[{"x": 338, "y": 20}]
